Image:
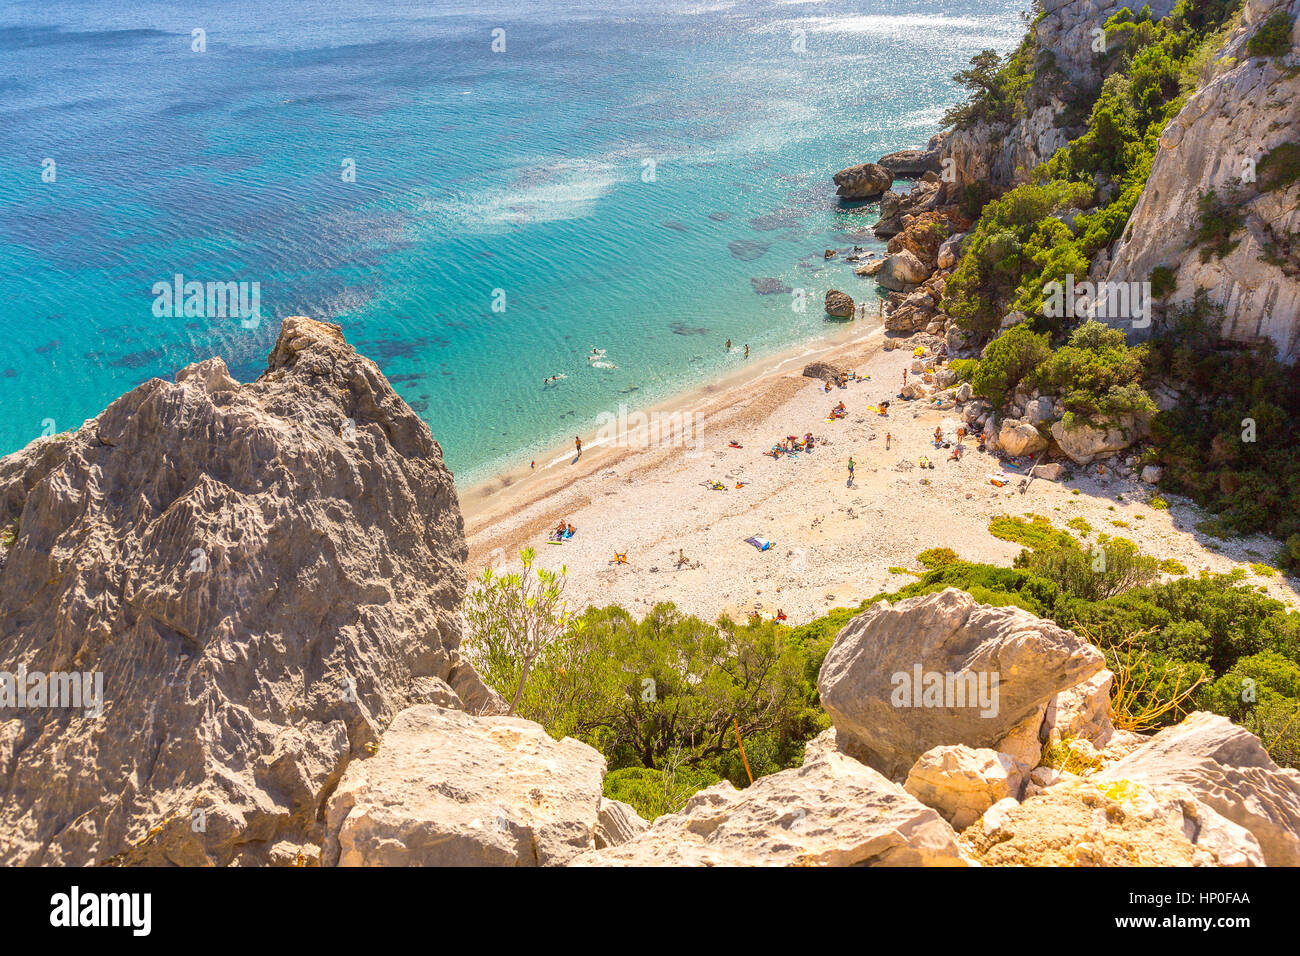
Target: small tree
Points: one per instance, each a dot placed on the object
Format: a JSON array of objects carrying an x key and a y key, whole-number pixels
[{"x": 514, "y": 619}]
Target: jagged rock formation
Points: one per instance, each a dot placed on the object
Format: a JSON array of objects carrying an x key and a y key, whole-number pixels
[
  {"x": 886, "y": 684},
  {"x": 1066, "y": 32},
  {"x": 1248, "y": 107},
  {"x": 1226, "y": 768},
  {"x": 264, "y": 574},
  {"x": 832, "y": 811},
  {"x": 450, "y": 789},
  {"x": 863, "y": 181}
]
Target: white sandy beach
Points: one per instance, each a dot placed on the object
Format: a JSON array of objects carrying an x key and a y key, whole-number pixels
[{"x": 833, "y": 543}]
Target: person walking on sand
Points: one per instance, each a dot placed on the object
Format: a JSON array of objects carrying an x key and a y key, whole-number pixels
[
  {"x": 851, "y": 467},
  {"x": 577, "y": 443},
  {"x": 887, "y": 436}
]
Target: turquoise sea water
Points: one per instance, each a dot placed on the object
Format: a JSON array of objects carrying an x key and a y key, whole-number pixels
[{"x": 615, "y": 178}]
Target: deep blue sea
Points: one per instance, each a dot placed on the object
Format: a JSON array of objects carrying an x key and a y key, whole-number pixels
[{"x": 613, "y": 175}]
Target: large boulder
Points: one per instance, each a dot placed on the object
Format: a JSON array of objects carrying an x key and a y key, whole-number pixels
[
  {"x": 1226, "y": 768},
  {"x": 833, "y": 811},
  {"x": 1017, "y": 438},
  {"x": 839, "y": 304},
  {"x": 901, "y": 270},
  {"x": 961, "y": 782},
  {"x": 824, "y": 371},
  {"x": 901, "y": 679},
  {"x": 911, "y": 162},
  {"x": 1084, "y": 443},
  {"x": 448, "y": 788},
  {"x": 864, "y": 181},
  {"x": 264, "y": 575}
]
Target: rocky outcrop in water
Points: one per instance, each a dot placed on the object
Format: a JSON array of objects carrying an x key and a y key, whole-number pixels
[
  {"x": 864, "y": 181},
  {"x": 264, "y": 574}
]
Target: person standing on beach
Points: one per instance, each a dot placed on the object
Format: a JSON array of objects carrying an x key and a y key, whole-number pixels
[
  {"x": 577, "y": 442},
  {"x": 904, "y": 378},
  {"x": 851, "y": 467},
  {"x": 886, "y": 441},
  {"x": 746, "y": 351}
]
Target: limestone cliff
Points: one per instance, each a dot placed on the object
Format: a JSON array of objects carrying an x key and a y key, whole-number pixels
[
  {"x": 1246, "y": 108},
  {"x": 263, "y": 574}
]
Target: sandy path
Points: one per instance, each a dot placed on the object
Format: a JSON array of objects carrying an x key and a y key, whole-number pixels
[{"x": 834, "y": 544}]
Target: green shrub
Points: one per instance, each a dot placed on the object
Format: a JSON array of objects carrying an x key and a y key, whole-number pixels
[
  {"x": 1272, "y": 38},
  {"x": 1037, "y": 532},
  {"x": 1008, "y": 359},
  {"x": 1163, "y": 281},
  {"x": 654, "y": 792},
  {"x": 1279, "y": 167},
  {"x": 1220, "y": 219},
  {"x": 964, "y": 368},
  {"x": 937, "y": 557},
  {"x": 1171, "y": 566}
]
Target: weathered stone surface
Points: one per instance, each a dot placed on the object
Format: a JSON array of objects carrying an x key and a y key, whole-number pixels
[
  {"x": 450, "y": 789},
  {"x": 961, "y": 782},
  {"x": 1226, "y": 768},
  {"x": 833, "y": 811},
  {"x": 1085, "y": 443},
  {"x": 1017, "y": 438},
  {"x": 864, "y": 181},
  {"x": 901, "y": 270},
  {"x": 1085, "y": 824},
  {"x": 911, "y": 162},
  {"x": 824, "y": 371},
  {"x": 839, "y": 304},
  {"x": 877, "y": 655},
  {"x": 617, "y": 823},
  {"x": 1082, "y": 711},
  {"x": 1243, "y": 111},
  {"x": 264, "y": 574}
]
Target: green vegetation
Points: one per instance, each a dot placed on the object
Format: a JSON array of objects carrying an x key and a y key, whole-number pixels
[
  {"x": 1165, "y": 637},
  {"x": 1158, "y": 503},
  {"x": 1263, "y": 570},
  {"x": 1220, "y": 219},
  {"x": 936, "y": 557},
  {"x": 1233, "y": 444},
  {"x": 1272, "y": 38},
  {"x": 1096, "y": 376},
  {"x": 1080, "y": 525},
  {"x": 1037, "y": 532},
  {"x": 1171, "y": 566},
  {"x": 1007, "y": 360},
  {"x": 963, "y": 368},
  {"x": 9, "y": 535},
  {"x": 1279, "y": 167}
]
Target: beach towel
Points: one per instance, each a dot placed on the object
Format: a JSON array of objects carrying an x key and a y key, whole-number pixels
[{"x": 763, "y": 544}]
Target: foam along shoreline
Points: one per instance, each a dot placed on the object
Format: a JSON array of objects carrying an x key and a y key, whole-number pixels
[
  {"x": 682, "y": 515},
  {"x": 485, "y": 501}
]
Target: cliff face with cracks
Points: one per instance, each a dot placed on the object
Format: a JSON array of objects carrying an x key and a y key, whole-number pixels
[
  {"x": 264, "y": 574},
  {"x": 1245, "y": 109}
]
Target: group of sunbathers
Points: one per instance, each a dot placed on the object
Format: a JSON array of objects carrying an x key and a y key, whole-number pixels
[
  {"x": 792, "y": 445},
  {"x": 839, "y": 411},
  {"x": 563, "y": 532}
]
